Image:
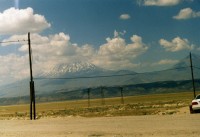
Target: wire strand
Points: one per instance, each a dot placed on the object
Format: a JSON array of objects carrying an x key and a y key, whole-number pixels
[
  {"x": 196, "y": 67},
  {"x": 12, "y": 41}
]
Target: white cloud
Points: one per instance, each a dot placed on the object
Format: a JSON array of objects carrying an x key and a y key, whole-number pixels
[
  {"x": 48, "y": 51},
  {"x": 187, "y": 13},
  {"x": 56, "y": 49},
  {"x": 159, "y": 2},
  {"x": 125, "y": 17},
  {"x": 117, "y": 54},
  {"x": 118, "y": 34},
  {"x": 118, "y": 45},
  {"x": 14, "y": 21},
  {"x": 13, "y": 67},
  {"x": 176, "y": 44},
  {"x": 165, "y": 62}
]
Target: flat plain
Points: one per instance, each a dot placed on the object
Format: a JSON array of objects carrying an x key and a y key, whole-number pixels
[
  {"x": 160, "y": 115},
  {"x": 154, "y": 104}
]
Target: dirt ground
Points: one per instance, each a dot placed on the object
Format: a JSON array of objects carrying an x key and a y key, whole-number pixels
[{"x": 177, "y": 125}]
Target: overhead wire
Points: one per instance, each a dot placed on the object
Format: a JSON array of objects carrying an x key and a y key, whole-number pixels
[
  {"x": 196, "y": 67},
  {"x": 1, "y": 42},
  {"x": 197, "y": 56}
]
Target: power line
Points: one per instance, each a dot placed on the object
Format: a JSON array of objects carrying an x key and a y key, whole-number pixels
[
  {"x": 88, "y": 77},
  {"x": 12, "y": 41},
  {"x": 196, "y": 67},
  {"x": 197, "y": 56}
]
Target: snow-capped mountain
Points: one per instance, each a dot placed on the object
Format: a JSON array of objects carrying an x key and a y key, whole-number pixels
[
  {"x": 69, "y": 69},
  {"x": 80, "y": 75}
]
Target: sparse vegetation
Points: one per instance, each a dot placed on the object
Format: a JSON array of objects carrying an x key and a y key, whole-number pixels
[{"x": 157, "y": 104}]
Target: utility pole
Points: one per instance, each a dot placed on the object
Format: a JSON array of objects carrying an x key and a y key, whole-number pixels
[
  {"x": 193, "y": 84},
  {"x": 32, "y": 87}
]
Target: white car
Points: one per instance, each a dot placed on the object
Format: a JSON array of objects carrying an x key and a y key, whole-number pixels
[{"x": 195, "y": 106}]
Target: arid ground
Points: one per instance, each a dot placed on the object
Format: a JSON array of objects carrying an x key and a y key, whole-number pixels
[
  {"x": 141, "y": 116},
  {"x": 178, "y": 125}
]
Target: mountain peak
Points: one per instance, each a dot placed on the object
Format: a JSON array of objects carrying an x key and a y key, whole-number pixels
[{"x": 75, "y": 67}]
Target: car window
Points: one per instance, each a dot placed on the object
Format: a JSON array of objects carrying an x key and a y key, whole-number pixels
[{"x": 198, "y": 97}]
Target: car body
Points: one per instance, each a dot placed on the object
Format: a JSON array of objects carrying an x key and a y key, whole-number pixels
[{"x": 195, "y": 105}]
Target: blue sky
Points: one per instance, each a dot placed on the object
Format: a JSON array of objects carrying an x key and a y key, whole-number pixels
[{"x": 140, "y": 35}]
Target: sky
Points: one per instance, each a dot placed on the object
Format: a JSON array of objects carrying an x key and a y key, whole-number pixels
[{"x": 137, "y": 35}]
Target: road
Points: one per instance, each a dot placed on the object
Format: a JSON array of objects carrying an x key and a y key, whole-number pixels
[{"x": 182, "y": 125}]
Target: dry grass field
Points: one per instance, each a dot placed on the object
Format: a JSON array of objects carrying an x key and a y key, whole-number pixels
[
  {"x": 156, "y": 104},
  {"x": 161, "y": 115}
]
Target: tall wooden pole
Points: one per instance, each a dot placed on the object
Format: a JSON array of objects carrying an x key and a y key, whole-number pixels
[
  {"x": 193, "y": 84},
  {"x": 32, "y": 89}
]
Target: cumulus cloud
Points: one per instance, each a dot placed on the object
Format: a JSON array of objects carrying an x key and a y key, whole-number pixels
[
  {"x": 47, "y": 51},
  {"x": 186, "y": 13},
  {"x": 13, "y": 67},
  {"x": 165, "y": 62},
  {"x": 159, "y": 2},
  {"x": 176, "y": 44},
  {"x": 53, "y": 50},
  {"x": 14, "y": 21},
  {"x": 117, "y": 54},
  {"x": 125, "y": 17}
]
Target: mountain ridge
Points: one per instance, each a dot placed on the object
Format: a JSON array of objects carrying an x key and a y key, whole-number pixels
[{"x": 67, "y": 68}]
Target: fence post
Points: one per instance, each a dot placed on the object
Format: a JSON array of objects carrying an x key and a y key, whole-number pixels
[
  {"x": 88, "y": 97},
  {"x": 122, "y": 96},
  {"x": 102, "y": 97}
]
